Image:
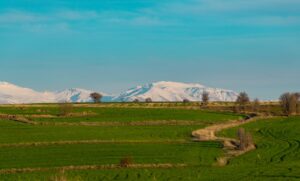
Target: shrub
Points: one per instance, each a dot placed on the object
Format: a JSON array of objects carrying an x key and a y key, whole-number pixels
[
  {"x": 126, "y": 161},
  {"x": 65, "y": 109}
]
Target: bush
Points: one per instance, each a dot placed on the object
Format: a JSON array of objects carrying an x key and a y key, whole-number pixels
[{"x": 126, "y": 161}]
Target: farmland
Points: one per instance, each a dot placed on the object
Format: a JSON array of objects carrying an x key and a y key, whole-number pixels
[{"x": 89, "y": 144}]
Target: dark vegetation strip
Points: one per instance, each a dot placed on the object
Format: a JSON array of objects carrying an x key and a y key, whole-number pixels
[
  {"x": 23, "y": 119},
  {"x": 29, "y": 144},
  {"x": 91, "y": 167},
  {"x": 131, "y": 123}
]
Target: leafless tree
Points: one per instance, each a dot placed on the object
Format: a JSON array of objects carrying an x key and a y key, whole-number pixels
[
  {"x": 148, "y": 100},
  {"x": 186, "y": 101},
  {"x": 136, "y": 100},
  {"x": 241, "y": 137},
  {"x": 96, "y": 97},
  {"x": 205, "y": 98},
  {"x": 242, "y": 101},
  {"x": 289, "y": 103},
  {"x": 245, "y": 139},
  {"x": 298, "y": 102},
  {"x": 256, "y": 105}
]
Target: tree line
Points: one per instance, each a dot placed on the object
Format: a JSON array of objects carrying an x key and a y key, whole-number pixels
[{"x": 289, "y": 102}]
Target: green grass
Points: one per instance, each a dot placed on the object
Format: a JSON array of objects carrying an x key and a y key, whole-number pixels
[
  {"x": 14, "y": 132},
  {"x": 120, "y": 114},
  {"x": 277, "y": 156},
  {"x": 99, "y": 154},
  {"x": 144, "y": 114}
]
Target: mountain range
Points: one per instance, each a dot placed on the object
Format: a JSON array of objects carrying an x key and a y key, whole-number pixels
[{"x": 163, "y": 91}]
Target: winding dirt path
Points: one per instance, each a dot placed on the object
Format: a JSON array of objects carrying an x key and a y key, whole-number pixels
[{"x": 230, "y": 144}]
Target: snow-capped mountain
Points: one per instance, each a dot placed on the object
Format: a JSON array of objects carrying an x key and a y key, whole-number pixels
[
  {"x": 158, "y": 91},
  {"x": 12, "y": 94},
  {"x": 175, "y": 91}
]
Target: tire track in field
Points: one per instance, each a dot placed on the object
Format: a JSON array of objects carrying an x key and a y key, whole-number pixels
[{"x": 292, "y": 146}]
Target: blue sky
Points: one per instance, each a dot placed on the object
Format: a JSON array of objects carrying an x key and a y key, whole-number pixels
[{"x": 111, "y": 45}]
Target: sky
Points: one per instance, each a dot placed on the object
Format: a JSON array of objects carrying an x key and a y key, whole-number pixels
[{"x": 113, "y": 45}]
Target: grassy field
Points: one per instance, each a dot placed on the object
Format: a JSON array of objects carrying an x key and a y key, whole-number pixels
[{"x": 49, "y": 147}]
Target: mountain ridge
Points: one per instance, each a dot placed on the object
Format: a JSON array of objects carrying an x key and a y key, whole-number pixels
[{"x": 162, "y": 91}]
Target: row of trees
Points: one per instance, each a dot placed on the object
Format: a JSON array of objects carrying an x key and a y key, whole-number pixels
[{"x": 290, "y": 102}]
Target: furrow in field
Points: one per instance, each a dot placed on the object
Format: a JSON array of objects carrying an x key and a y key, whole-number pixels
[{"x": 291, "y": 146}]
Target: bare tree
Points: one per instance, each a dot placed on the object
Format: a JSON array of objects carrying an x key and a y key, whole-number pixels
[
  {"x": 256, "y": 105},
  {"x": 96, "y": 97},
  {"x": 298, "y": 102},
  {"x": 205, "y": 98},
  {"x": 136, "y": 100},
  {"x": 241, "y": 136},
  {"x": 148, "y": 100},
  {"x": 289, "y": 103},
  {"x": 186, "y": 101},
  {"x": 245, "y": 139},
  {"x": 242, "y": 101}
]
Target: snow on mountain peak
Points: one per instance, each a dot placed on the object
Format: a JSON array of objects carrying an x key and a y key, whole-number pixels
[
  {"x": 175, "y": 91},
  {"x": 157, "y": 91}
]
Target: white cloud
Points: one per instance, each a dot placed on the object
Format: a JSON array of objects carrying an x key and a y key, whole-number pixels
[
  {"x": 231, "y": 6},
  {"x": 15, "y": 16},
  {"x": 268, "y": 20}
]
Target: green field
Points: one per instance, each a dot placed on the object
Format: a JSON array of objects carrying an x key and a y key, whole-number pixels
[{"x": 52, "y": 146}]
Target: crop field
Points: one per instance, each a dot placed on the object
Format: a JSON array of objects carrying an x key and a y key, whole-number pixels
[{"x": 91, "y": 142}]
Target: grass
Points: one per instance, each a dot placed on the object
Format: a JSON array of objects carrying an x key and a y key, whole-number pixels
[
  {"x": 120, "y": 114},
  {"x": 14, "y": 132},
  {"x": 143, "y": 114},
  {"x": 277, "y": 156},
  {"x": 99, "y": 154}
]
